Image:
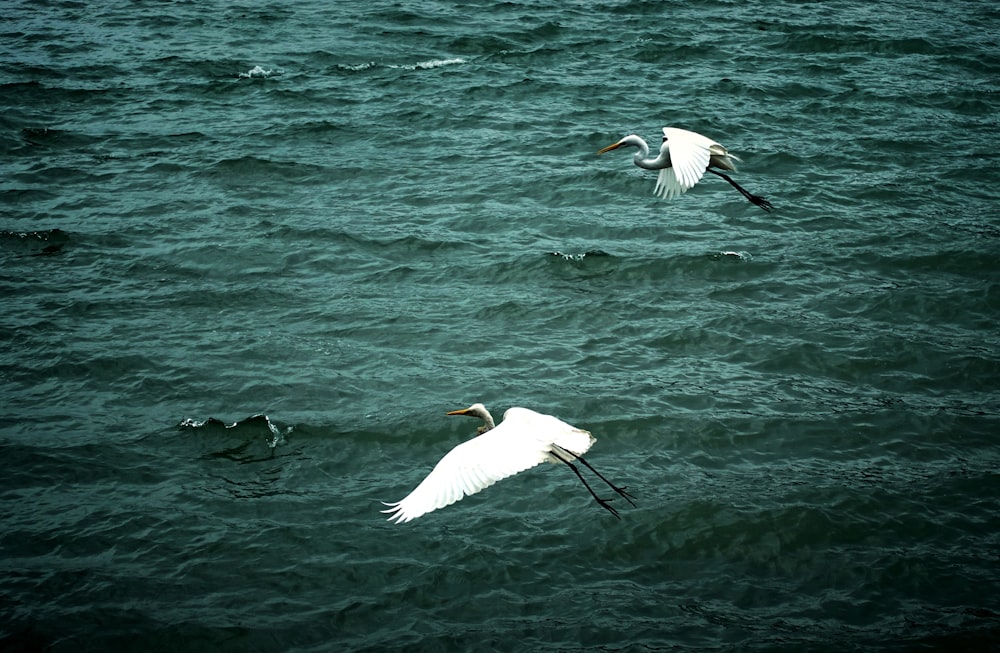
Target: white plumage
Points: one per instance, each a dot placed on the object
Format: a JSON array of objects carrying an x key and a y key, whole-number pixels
[
  {"x": 690, "y": 155},
  {"x": 684, "y": 158},
  {"x": 523, "y": 440}
]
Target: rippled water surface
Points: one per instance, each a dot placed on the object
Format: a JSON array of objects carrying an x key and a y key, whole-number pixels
[{"x": 251, "y": 254}]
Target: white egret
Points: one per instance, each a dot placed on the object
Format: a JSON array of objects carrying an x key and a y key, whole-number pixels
[
  {"x": 523, "y": 440},
  {"x": 683, "y": 160}
]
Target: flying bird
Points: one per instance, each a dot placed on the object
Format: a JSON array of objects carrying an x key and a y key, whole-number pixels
[
  {"x": 523, "y": 440},
  {"x": 683, "y": 160}
]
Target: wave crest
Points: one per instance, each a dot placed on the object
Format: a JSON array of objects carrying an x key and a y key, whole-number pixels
[{"x": 258, "y": 72}]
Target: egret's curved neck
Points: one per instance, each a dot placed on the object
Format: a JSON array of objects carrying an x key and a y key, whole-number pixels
[
  {"x": 480, "y": 411},
  {"x": 642, "y": 158},
  {"x": 487, "y": 419}
]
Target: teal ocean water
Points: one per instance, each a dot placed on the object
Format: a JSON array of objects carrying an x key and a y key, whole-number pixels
[{"x": 253, "y": 253}]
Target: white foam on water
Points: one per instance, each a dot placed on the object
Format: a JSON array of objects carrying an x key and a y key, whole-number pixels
[
  {"x": 427, "y": 65},
  {"x": 258, "y": 72}
]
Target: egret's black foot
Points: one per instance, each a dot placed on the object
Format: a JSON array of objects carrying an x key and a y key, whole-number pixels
[
  {"x": 628, "y": 497},
  {"x": 761, "y": 202},
  {"x": 607, "y": 506}
]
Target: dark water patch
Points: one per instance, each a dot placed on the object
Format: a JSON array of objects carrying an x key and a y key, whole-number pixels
[
  {"x": 27, "y": 197},
  {"x": 69, "y": 173},
  {"x": 257, "y": 174},
  {"x": 57, "y": 139},
  {"x": 331, "y": 249},
  {"x": 491, "y": 46},
  {"x": 817, "y": 42},
  {"x": 328, "y": 130},
  {"x": 36, "y": 465},
  {"x": 258, "y": 446},
  {"x": 47, "y": 242}
]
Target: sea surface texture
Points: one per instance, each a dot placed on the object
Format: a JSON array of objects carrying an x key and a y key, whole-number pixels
[{"x": 252, "y": 253}]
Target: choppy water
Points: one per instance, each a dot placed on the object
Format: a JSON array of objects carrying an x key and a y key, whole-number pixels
[{"x": 252, "y": 253}]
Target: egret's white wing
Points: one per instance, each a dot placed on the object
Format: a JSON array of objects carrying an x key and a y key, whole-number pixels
[
  {"x": 523, "y": 440},
  {"x": 543, "y": 430},
  {"x": 689, "y": 156},
  {"x": 667, "y": 184}
]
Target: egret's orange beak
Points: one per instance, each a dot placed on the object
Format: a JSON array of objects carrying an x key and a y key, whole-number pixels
[
  {"x": 464, "y": 411},
  {"x": 610, "y": 147}
]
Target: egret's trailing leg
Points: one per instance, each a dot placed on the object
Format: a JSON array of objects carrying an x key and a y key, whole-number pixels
[
  {"x": 620, "y": 490},
  {"x": 754, "y": 199},
  {"x": 602, "y": 502}
]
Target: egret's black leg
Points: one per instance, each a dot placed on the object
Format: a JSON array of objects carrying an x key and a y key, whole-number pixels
[
  {"x": 565, "y": 456},
  {"x": 620, "y": 490},
  {"x": 602, "y": 502},
  {"x": 754, "y": 199}
]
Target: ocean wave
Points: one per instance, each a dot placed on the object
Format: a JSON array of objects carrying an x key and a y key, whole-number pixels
[
  {"x": 354, "y": 68},
  {"x": 427, "y": 65},
  {"x": 580, "y": 256},
  {"x": 258, "y": 72},
  {"x": 420, "y": 65},
  {"x": 743, "y": 257},
  {"x": 273, "y": 436}
]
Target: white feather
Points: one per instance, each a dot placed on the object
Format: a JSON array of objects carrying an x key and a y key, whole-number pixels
[
  {"x": 689, "y": 156},
  {"x": 523, "y": 440},
  {"x": 682, "y": 161},
  {"x": 667, "y": 184}
]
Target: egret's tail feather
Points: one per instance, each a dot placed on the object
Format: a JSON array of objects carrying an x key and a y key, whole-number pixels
[{"x": 722, "y": 158}]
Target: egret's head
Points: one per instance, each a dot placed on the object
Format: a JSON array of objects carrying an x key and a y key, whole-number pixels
[
  {"x": 631, "y": 139},
  {"x": 477, "y": 410}
]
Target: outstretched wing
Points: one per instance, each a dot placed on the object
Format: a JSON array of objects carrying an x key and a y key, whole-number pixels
[
  {"x": 522, "y": 441},
  {"x": 689, "y": 157},
  {"x": 533, "y": 429}
]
